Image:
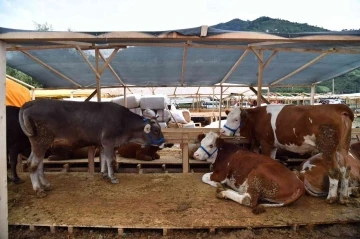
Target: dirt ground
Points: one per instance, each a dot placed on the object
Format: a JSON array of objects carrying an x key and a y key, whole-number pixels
[{"x": 163, "y": 201}]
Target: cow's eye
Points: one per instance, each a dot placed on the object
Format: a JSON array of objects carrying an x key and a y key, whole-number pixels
[
  {"x": 211, "y": 146},
  {"x": 236, "y": 119}
]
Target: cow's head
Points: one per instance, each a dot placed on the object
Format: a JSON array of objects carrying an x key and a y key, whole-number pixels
[
  {"x": 154, "y": 135},
  {"x": 233, "y": 122},
  {"x": 207, "y": 150}
]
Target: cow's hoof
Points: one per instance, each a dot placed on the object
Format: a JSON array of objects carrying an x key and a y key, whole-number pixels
[
  {"x": 18, "y": 181},
  {"x": 48, "y": 188},
  {"x": 41, "y": 194},
  {"x": 105, "y": 176},
  {"x": 344, "y": 200},
  {"x": 114, "y": 180},
  {"x": 220, "y": 194},
  {"x": 331, "y": 200}
]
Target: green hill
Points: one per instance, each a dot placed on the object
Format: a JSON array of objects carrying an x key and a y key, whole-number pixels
[{"x": 267, "y": 24}]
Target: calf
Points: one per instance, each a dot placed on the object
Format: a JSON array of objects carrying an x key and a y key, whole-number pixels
[
  {"x": 56, "y": 123},
  {"x": 140, "y": 152},
  {"x": 16, "y": 141},
  {"x": 314, "y": 173},
  {"x": 251, "y": 176},
  {"x": 300, "y": 129}
]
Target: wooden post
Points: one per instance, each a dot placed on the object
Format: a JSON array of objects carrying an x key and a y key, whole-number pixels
[
  {"x": 185, "y": 153},
  {"x": 260, "y": 73},
  {"x": 97, "y": 76},
  {"x": 125, "y": 100},
  {"x": 4, "y": 231},
  {"x": 312, "y": 95},
  {"x": 221, "y": 98}
]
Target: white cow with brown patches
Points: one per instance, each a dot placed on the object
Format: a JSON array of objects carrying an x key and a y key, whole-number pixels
[
  {"x": 300, "y": 129},
  {"x": 252, "y": 177}
]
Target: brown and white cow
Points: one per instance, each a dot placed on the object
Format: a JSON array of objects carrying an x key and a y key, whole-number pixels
[
  {"x": 72, "y": 124},
  {"x": 300, "y": 129},
  {"x": 314, "y": 173},
  {"x": 252, "y": 177}
]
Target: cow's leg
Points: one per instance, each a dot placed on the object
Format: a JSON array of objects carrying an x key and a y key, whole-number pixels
[
  {"x": 109, "y": 157},
  {"x": 206, "y": 179},
  {"x": 273, "y": 153},
  {"x": 36, "y": 166},
  {"x": 243, "y": 199},
  {"x": 268, "y": 150},
  {"x": 35, "y": 178},
  {"x": 43, "y": 181},
  {"x": 344, "y": 187},
  {"x": 14, "y": 152},
  {"x": 103, "y": 170}
]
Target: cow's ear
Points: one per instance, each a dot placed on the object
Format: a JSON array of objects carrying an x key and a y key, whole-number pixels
[
  {"x": 200, "y": 137},
  {"x": 147, "y": 128},
  {"x": 227, "y": 112},
  {"x": 219, "y": 143}
]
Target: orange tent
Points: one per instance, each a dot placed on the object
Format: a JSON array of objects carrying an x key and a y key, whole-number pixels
[{"x": 16, "y": 94}]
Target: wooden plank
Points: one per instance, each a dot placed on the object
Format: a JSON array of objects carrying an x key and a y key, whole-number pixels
[
  {"x": 258, "y": 54},
  {"x": 50, "y": 68},
  {"x": 88, "y": 62},
  {"x": 91, "y": 95},
  {"x": 3, "y": 157},
  {"x": 300, "y": 69},
  {"x": 20, "y": 82},
  {"x": 269, "y": 59},
  {"x": 233, "y": 68},
  {"x": 260, "y": 75},
  {"x": 262, "y": 97},
  {"x": 107, "y": 62},
  {"x": 98, "y": 76}
]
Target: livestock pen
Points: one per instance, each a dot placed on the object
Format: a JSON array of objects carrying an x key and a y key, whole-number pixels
[{"x": 196, "y": 57}]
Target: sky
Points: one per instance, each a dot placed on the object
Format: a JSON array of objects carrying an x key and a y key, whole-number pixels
[{"x": 157, "y": 15}]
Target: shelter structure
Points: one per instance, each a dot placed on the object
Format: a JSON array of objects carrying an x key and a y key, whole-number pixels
[{"x": 197, "y": 57}]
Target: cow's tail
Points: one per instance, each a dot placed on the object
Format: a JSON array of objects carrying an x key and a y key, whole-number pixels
[{"x": 27, "y": 125}]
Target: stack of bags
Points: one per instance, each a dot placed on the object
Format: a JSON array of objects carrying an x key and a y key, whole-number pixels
[
  {"x": 133, "y": 103},
  {"x": 156, "y": 106}
]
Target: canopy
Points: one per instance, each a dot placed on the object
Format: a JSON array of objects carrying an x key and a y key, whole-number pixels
[{"x": 201, "y": 56}]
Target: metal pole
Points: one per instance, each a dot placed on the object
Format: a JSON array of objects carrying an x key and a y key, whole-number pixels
[
  {"x": 260, "y": 73},
  {"x": 97, "y": 78}
]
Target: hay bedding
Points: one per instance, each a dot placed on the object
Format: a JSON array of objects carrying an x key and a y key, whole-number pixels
[{"x": 162, "y": 201}]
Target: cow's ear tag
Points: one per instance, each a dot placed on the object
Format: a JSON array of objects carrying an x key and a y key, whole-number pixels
[{"x": 147, "y": 128}]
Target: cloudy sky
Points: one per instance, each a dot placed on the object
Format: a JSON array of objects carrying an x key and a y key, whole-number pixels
[{"x": 148, "y": 15}]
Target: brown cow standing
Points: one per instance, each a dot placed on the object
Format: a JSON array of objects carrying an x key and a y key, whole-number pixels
[
  {"x": 300, "y": 129},
  {"x": 251, "y": 176},
  {"x": 314, "y": 173}
]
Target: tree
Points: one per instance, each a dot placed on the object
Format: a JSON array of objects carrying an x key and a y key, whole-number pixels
[{"x": 43, "y": 27}]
